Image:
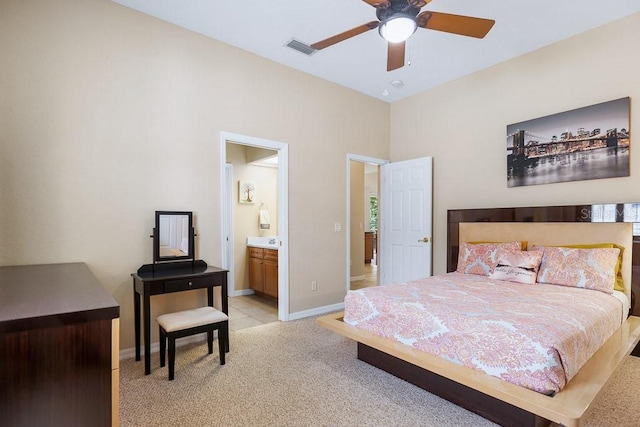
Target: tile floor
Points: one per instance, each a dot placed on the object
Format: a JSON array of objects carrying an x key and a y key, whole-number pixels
[
  {"x": 370, "y": 277},
  {"x": 248, "y": 311}
]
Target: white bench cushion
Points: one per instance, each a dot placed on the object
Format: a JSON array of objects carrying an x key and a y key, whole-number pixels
[{"x": 190, "y": 318}]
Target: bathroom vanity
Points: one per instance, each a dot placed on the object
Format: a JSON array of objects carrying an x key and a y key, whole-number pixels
[{"x": 262, "y": 254}]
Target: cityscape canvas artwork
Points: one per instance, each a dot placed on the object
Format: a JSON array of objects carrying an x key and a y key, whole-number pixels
[{"x": 587, "y": 143}]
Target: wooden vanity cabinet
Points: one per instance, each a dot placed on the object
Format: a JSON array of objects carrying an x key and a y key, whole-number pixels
[
  {"x": 368, "y": 246},
  {"x": 270, "y": 263},
  {"x": 263, "y": 271},
  {"x": 256, "y": 269}
]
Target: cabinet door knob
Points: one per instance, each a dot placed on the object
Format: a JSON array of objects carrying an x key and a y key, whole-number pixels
[{"x": 190, "y": 283}]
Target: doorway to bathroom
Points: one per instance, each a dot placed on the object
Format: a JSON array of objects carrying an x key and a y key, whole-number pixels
[{"x": 254, "y": 202}]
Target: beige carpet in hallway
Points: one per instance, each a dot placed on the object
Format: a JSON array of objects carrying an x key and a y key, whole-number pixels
[{"x": 299, "y": 374}]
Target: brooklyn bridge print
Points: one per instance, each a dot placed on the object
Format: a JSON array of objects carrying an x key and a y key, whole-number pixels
[{"x": 586, "y": 143}]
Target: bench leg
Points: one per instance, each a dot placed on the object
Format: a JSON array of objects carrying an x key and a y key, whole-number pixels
[
  {"x": 163, "y": 346},
  {"x": 210, "y": 340},
  {"x": 172, "y": 357},
  {"x": 223, "y": 335}
]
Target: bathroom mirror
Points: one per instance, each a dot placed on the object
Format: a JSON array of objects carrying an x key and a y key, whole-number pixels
[{"x": 173, "y": 236}]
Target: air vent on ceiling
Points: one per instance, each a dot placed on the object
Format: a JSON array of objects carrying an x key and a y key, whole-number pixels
[{"x": 301, "y": 47}]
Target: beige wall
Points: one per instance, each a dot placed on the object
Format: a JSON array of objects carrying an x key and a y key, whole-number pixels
[
  {"x": 107, "y": 115},
  {"x": 463, "y": 124}
]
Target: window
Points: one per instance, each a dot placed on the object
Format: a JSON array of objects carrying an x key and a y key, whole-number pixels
[
  {"x": 610, "y": 213},
  {"x": 603, "y": 213},
  {"x": 632, "y": 214},
  {"x": 373, "y": 212}
]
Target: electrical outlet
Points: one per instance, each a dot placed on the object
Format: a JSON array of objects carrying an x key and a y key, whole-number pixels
[{"x": 314, "y": 285}]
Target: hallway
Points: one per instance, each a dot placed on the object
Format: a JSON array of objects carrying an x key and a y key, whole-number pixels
[{"x": 370, "y": 277}]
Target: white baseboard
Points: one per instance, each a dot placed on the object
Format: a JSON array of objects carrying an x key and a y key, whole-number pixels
[
  {"x": 241, "y": 292},
  {"x": 316, "y": 311}
]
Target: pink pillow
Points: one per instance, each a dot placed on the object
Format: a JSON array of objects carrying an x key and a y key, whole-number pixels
[
  {"x": 481, "y": 258},
  {"x": 517, "y": 266},
  {"x": 580, "y": 268}
]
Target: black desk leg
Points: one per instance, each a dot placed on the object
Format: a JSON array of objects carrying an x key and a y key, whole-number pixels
[
  {"x": 136, "y": 317},
  {"x": 225, "y": 306},
  {"x": 210, "y": 296},
  {"x": 147, "y": 330}
]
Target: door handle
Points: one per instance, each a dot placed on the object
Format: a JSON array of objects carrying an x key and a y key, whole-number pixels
[{"x": 424, "y": 240}]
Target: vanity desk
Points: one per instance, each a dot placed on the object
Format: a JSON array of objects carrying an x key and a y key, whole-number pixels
[{"x": 156, "y": 279}]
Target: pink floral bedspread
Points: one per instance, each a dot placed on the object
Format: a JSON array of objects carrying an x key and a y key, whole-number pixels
[{"x": 535, "y": 336}]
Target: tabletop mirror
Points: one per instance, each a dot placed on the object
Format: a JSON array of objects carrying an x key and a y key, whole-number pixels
[{"x": 173, "y": 236}]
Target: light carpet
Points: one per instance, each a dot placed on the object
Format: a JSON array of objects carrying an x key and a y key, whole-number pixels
[{"x": 299, "y": 374}]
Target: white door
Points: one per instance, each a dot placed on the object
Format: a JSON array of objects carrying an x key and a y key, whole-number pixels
[{"x": 405, "y": 220}]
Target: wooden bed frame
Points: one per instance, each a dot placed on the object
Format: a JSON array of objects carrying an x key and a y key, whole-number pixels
[{"x": 491, "y": 397}]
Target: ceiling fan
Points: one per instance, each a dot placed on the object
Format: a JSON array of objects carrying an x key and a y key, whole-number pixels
[{"x": 399, "y": 19}]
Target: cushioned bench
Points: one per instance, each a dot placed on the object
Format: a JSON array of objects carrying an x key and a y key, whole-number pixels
[{"x": 190, "y": 322}]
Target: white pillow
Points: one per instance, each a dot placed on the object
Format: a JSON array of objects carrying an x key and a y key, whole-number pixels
[{"x": 517, "y": 266}]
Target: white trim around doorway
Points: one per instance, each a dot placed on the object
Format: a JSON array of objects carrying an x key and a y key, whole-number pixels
[
  {"x": 362, "y": 159},
  {"x": 283, "y": 212}
]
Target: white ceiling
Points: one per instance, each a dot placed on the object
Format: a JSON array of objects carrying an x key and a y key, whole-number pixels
[{"x": 265, "y": 27}]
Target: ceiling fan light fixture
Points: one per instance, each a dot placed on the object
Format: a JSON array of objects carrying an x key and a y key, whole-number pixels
[{"x": 398, "y": 28}]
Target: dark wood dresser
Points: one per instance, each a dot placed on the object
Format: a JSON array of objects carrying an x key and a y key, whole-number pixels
[{"x": 59, "y": 347}]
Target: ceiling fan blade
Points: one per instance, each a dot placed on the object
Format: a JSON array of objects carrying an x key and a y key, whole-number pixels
[
  {"x": 455, "y": 24},
  {"x": 395, "y": 55},
  {"x": 345, "y": 35},
  {"x": 376, "y": 3}
]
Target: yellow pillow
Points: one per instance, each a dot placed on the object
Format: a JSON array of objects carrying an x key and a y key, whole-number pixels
[{"x": 619, "y": 285}]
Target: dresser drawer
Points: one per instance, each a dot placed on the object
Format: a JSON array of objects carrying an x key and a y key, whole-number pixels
[{"x": 186, "y": 284}]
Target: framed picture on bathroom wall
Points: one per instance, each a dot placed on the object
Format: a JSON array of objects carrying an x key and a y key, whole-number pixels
[
  {"x": 586, "y": 143},
  {"x": 246, "y": 191}
]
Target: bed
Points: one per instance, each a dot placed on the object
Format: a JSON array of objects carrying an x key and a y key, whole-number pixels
[{"x": 489, "y": 395}]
